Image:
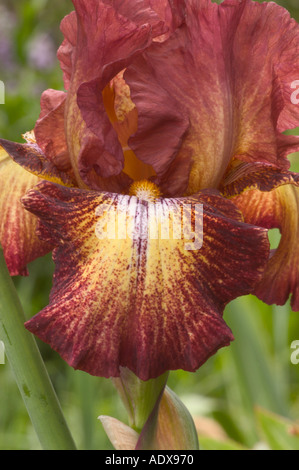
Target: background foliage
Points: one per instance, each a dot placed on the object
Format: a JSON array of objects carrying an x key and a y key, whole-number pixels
[{"x": 234, "y": 395}]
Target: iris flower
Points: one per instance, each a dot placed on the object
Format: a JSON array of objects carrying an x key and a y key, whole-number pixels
[{"x": 168, "y": 104}]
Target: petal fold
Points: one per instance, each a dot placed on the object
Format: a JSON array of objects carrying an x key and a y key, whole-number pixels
[
  {"x": 49, "y": 129},
  {"x": 66, "y": 52},
  {"x": 278, "y": 208},
  {"x": 112, "y": 40},
  {"x": 261, "y": 176},
  {"x": 32, "y": 159},
  {"x": 154, "y": 12},
  {"x": 150, "y": 303}
]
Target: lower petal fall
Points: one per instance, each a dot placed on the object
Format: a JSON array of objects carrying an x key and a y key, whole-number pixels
[
  {"x": 148, "y": 303},
  {"x": 17, "y": 226}
]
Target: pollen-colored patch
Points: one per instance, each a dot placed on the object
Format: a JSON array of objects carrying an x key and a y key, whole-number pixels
[
  {"x": 130, "y": 290},
  {"x": 123, "y": 116},
  {"x": 122, "y": 103},
  {"x": 29, "y": 137}
]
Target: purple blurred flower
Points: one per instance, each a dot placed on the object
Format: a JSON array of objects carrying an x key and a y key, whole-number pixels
[
  {"x": 42, "y": 52},
  {"x": 7, "y": 22}
]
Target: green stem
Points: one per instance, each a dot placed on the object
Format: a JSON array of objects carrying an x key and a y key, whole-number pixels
[
  {"x": 29, "y": 369},
  {"x": 155, "y": 413},
  {"x": 139, "y": 397}
]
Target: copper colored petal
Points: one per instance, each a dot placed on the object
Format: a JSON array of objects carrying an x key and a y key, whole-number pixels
[{"x": 151, "y": 303}]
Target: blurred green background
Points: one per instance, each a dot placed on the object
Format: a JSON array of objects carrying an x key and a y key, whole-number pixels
[{"x": 231, "y": 396}]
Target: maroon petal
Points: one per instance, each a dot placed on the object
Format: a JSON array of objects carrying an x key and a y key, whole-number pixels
[
  {"x": 146, "y": 303},
  {"x": 278, "y": 208},
  {"x": 262, "y": 176},
  {"x": 106, "y": 43},
  {"x": 228, "y": 71},
  {"x": 31, "y": 158},
  {"x": 66, "y": 52},
  {"x": 49, "y": 129}
]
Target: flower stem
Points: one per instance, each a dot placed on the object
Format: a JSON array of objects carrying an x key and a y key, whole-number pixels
[
  {"x": 157, "y": 417},
  {"x": 139, "y": 397},
  {"x": 29, "y": 369}
]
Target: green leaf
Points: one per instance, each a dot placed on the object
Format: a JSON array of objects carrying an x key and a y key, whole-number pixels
[
  {"x": 279, "y": 433},
  {"x": 253, "y": 359},
  {"x": 29, "y": 369},
  {"x": 208, "y": 443},
  {"x": 175, "y": 428},
  {"x": 139, "y": 397}
]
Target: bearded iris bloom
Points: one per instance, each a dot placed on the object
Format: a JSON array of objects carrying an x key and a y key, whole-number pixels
[{"x": 170, "y": 103}]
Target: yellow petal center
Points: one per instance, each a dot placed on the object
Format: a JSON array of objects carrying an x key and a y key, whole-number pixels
[{"x": 146, "y": 190}]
